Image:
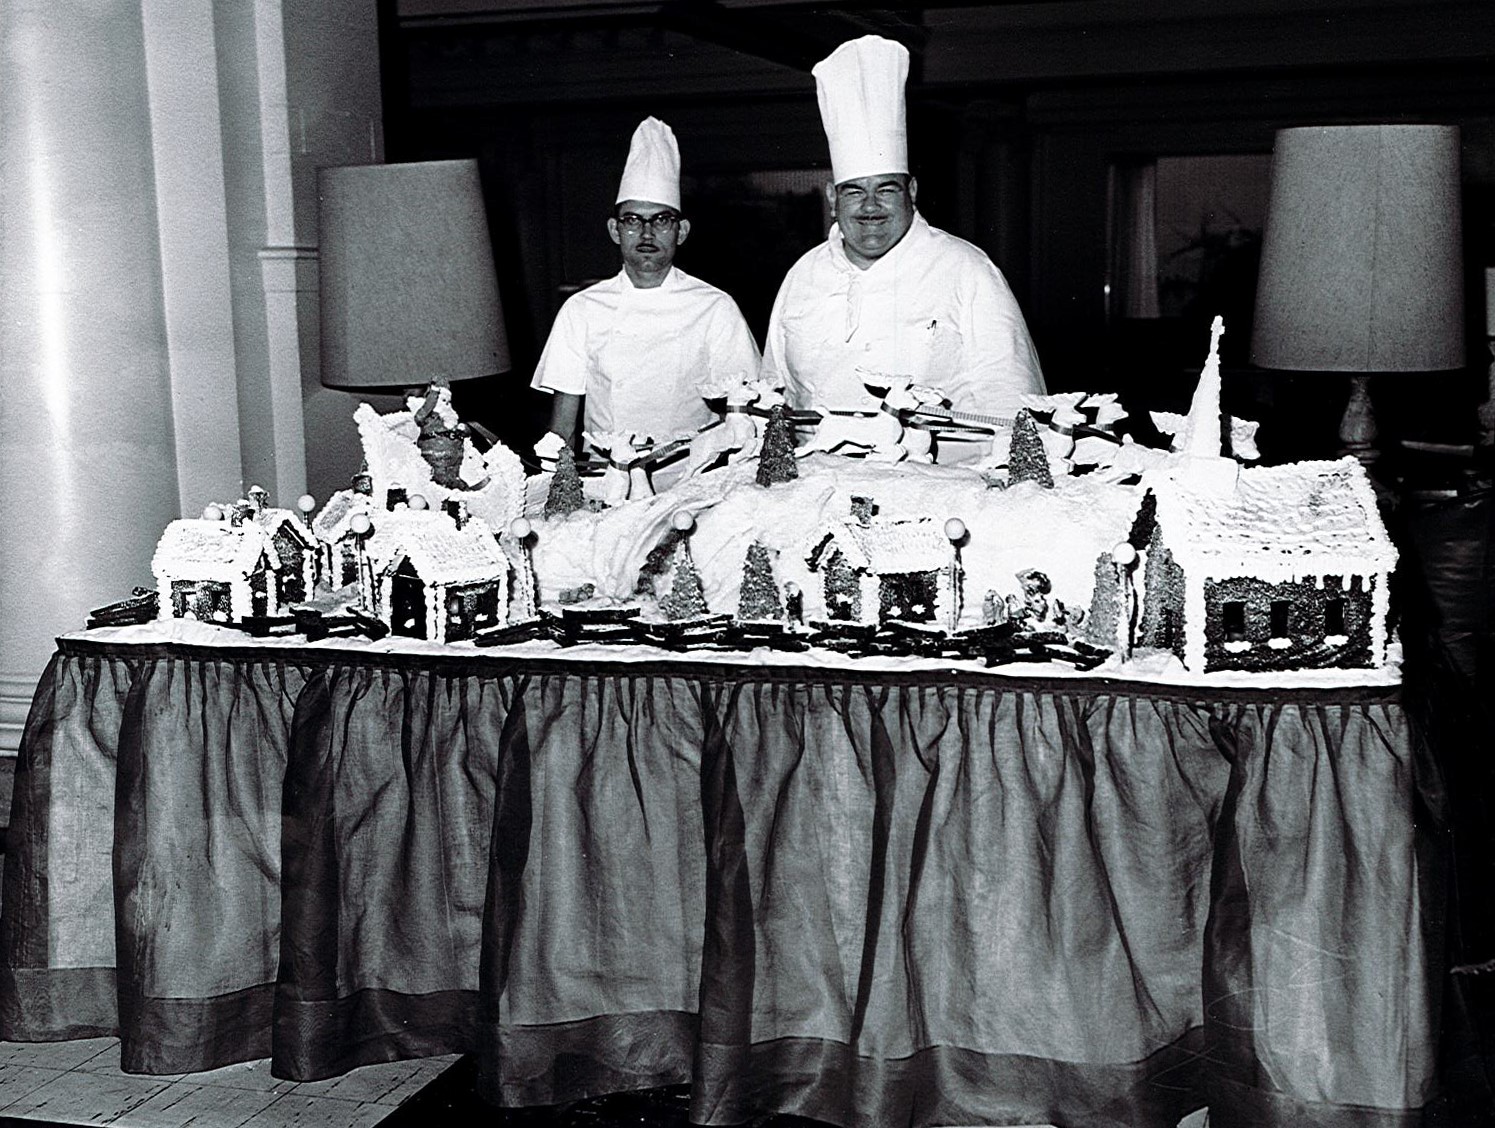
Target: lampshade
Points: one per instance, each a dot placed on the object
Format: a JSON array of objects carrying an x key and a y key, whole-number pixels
[
  {"x": 1361, "y": 263},
  {"x": 409, "y": 292}
]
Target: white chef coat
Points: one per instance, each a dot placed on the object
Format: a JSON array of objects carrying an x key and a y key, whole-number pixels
[
  {"x": 934, "y": 307},
  {"x": 645, "y": 358}
]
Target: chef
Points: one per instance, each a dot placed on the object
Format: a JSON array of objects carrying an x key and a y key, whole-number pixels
[
  {"x": 886, "y": 293},
  {"x": 642, "y": 349}
]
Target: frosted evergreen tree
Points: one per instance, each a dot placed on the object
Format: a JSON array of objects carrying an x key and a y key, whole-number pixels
[
  {"x": 1027, "y": 461},
  {"x": 1163, "y": 598},
  {"x": 685, "y": 599},
  {"x": 776, "y": 461},
  {"x": 565, "y": 494},
  {"x": 1103, "y": 624},
  {"x": 759, "y": 600}
]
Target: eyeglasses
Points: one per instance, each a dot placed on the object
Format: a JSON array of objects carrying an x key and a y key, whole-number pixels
[{"x": 633, "y": 224}]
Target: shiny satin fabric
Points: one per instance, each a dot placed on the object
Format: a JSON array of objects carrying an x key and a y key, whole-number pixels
[{"x": 865, "y": 899}]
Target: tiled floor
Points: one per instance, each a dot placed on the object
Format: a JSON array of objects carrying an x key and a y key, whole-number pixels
[
  {"x": 52, "y": 1083},
  {"x": 81, "y": 1083}
]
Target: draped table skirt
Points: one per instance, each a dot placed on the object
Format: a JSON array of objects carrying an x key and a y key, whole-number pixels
[{"x": 868, "y": 898}]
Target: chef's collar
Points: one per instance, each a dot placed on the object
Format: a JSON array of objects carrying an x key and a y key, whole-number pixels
[{"x": 671, "y": 282}]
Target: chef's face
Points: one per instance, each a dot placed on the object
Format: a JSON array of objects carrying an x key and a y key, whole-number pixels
[
  {"x": 874, "y": 212},
  {"x": 648, "y": 235}
]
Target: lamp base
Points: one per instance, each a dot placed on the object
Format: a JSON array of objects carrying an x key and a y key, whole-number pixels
[
  {"x": 1486, "y": 411},
  {"x": 1357, "y": 428}
]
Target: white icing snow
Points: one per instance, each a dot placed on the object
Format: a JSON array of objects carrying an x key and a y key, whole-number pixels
[
  {"x": 1280, "y": 523},
  {"x": 1059, "y": 531},
  {"x": 439, "y": 550},
  {"x": 495, "y": 479},
  {"x": 1275, "y": 524},
  {"x": 194, "y": 548},
  {"x": 886, "y": 547},
  {"x": 331, "y": 523}
]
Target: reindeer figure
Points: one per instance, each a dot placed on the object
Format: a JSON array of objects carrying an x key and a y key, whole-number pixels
[
  {"x": 739, "y": 435},
  {"x": 627, "y": 475},
  {"x": 1107, "y": 408},
  {"x": 915, "y": 443},
  {"x": 548, "y": 450},
  {"x": 1127, "y": 459},
  {"x": 1065, "y": 407},
  {"x": 880, "y": 436}
]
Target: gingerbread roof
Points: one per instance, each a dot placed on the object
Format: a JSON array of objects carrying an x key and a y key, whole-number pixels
[
  {"x": 331, "y": 521},
  {"x": 889, "y": 547},
  {"x": 196, "y": 548},
  {"x": 1280, "y": 522},
  {"x": 439, "y": 550},
  {"x": 271, "y": 519}
]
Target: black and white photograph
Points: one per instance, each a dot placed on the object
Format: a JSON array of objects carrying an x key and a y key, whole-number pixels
[{"x": 747, "y": 564}]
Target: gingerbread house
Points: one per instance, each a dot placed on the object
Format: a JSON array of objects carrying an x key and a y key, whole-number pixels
[
  {"x": 876, "y": 571},
  {"x": 432, "y": 577},
  {"x": 218, "y": 571},
  {"x": 338, "y": 544},
  {"x": 1288, "y": 570},
  {"x": 296, "y": 550}
]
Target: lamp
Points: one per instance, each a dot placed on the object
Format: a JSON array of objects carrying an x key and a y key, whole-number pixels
[
  {"x": 1361, "y": 263},
  {"x": 1486, "y": 411},
  {"x": 409, "y": 293}
]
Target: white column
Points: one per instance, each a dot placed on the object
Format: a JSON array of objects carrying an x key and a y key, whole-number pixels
[
  {"x": 192, "y": 213},
  {"x": 88, "y": 472},
  {"x": 283, "y": 129},
  {"x": 157, "y": 281},
  {"x": 289, "y": 278}
]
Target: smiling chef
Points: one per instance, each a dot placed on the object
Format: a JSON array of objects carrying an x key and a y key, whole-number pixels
[{"x": 886, "y": 293}]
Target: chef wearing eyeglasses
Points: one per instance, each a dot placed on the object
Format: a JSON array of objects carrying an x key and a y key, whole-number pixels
[{"x": 644, "y": 348}]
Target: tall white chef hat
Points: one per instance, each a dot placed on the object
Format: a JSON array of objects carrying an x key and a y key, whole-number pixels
[
  {"x": 860, "y": 88},
  {"x": 653, "y": 169}
]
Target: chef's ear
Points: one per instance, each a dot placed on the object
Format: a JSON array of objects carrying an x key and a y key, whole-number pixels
[
  {"x": 684, "y": 231},
  {"x": 830, "y": 196},
  {"x": 913, "y": 189},
  {"x": 612, "y": 230}
]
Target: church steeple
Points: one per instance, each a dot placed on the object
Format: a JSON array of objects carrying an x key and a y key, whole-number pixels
[
  {"x": 1198, "y": 457},
  {"x": 1201, "y": 435}
]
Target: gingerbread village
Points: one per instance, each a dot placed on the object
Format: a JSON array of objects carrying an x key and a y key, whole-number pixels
[{"x": 1073, "y": 543}]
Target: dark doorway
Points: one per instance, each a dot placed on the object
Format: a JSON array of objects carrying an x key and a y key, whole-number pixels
[
  {"x": 407, "y": 602},
  {"x": 290, "y": 552}
]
